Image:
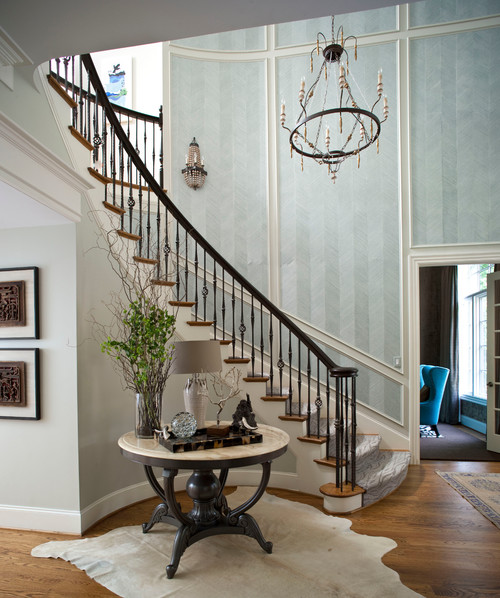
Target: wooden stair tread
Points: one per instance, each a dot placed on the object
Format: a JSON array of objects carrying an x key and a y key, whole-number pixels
[
  {"x": 54, "y": 83},
  {"x": 256, "y": 379},
  {"x": 237, "y": 360},
  {"x": 293, "y": 418},
  {"x": 331, "y": 489},
  {"x": 200, "y": 323},
  {"x": 313, "y": 439},
  {"x": 182, "y": 303},
  {"x": 275, "y": 398},
  {"x": 126, "y": 235},
  {"x": 85, "y": 142},
  {"x": 164, "y": 283},
  {"x": 145, "y": 260},
  {"x": 329, "y": 461},
  {"x": 113, "y": 208},
  {"x": 106, "y": 180},
  {"x": 225, "y": 341}
]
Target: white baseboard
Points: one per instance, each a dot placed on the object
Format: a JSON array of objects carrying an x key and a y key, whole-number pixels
[
  {"x": 44, "y": 520},
  {"x": 123, "y": 498},
  {"x": 76, "y": 522}
]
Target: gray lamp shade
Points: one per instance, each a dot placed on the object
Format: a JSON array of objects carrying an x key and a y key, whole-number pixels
[{"x": 191, "y": 357}]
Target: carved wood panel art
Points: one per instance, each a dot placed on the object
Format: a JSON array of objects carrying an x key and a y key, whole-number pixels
[
  {"x": 12, "y": 384},
  {"x": 12, "y": 303}
]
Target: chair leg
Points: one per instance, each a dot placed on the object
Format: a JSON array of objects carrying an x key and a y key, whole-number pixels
[{"x": 435, "y": 428}]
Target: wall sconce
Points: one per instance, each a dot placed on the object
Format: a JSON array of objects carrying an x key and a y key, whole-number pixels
[{"x": 194, "y": 173}]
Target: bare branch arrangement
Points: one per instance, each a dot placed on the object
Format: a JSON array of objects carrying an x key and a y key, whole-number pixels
[{"x": 225, "y": 387}]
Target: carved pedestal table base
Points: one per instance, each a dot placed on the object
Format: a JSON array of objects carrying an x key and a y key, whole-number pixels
[{"x": 210, "y": 515}]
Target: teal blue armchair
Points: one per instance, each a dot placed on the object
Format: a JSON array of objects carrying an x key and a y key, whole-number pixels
[{"x": 434, "y": 378}]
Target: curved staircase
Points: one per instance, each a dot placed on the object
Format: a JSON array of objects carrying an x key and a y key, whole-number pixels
[{"x": 292, "y": 383}]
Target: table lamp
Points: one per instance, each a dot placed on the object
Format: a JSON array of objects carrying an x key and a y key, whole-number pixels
[{"x": 196, "y": 358}]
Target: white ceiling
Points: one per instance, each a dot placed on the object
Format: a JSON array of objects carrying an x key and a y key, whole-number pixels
[{"x": 53, "y": 28}]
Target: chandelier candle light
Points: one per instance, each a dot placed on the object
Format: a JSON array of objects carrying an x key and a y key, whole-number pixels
[
  {"x": 194, "y": 173},
  {"x": 330, "y": 135}
]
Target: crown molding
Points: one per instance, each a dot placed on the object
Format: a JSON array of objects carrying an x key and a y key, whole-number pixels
[{"x": 10, "y": 53}]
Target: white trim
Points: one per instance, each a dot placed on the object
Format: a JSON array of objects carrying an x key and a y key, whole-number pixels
[
  {"x": 487, "y": 253},
  {"x": 44, "y": 520},
  {"x": 36, "y": 171},
  {"x": 122, "y": 498},
  {"x": 10, "y": 53}
]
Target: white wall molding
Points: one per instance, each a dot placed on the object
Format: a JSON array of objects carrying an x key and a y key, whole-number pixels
[
  {"x": 33, "y": 169},
  {"x": 487, "y": 253},
  {"x": 122, "y": 498},
  {"x": 45, "y": 520},
  {"x": 10, "y": 53}
]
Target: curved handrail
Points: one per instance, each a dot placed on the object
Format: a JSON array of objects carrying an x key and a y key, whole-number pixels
[{"x": 160, "y": 193}]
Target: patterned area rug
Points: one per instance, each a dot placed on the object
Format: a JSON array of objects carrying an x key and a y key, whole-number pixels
[
  {"x": 313, "y": 555},
  {"x": 482, "y": 490}
]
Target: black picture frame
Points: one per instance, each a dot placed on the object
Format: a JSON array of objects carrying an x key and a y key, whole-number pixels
[
  {"x": 31, "y": 360},
  {"x": 29, "y": 276}
]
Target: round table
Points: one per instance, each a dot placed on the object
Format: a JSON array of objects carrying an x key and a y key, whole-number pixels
[{"x": 210, "y": 514}]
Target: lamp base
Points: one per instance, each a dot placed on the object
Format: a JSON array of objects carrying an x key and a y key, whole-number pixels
[{"x": 196, "y": 399}]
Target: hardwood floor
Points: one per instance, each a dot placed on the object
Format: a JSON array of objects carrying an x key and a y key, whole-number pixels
[{"x": 445, "y": 547}]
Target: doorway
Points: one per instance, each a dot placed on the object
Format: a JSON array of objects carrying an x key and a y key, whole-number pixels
[{"x": 453, "y": 335}]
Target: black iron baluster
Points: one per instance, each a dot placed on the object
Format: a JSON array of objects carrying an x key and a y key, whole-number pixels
[
  {"x": 166, "y": 248},
  {"x": 318, "y": 402},
  {"x": 262, "y": 341},
  {"x": 347, "y": 428},
  {"x": 158, "y": 229},
  {"x": 186, "y": 269},
  {"x": 299, "y": 381},
  {"x": 113, "y": 164},
  {"x": 281, "y": 363},
  {"x": 131, "y": 200},
  {"x": 354, "y": 426},
  {"x": 104, "y": 146},
  {"x": 73, "y": 86},
  {"x": 252, "y": 329},
  {"x": 308, "y": 392},
  {"x": 290, "y": 356},
  {"x": 86, "y": 133},
  {"x": 338, "y": 431},
  {"x": 204, "y": 290},
  {"x": 271, "y": 368},
  {"x": 96, "y": 141},
  {"x": 161, "y": 147},
  {"x": 233, "y": 307},
  {"x": 223, "y": 306},
  {"x": 214, "y": 286},
  {"x": 66, "y": 60},
  {"x": 328, "y": 434},
  {"x": 140, "y": 215},
  {"x": 122, "y": 176},
  {"x": 243, "y": 327},
  {"x": 196, "y": 281},
  {"x": 177, "y": 261},
  {"x": 80, "y": 101},
  {"x": 148, "y": 227}
]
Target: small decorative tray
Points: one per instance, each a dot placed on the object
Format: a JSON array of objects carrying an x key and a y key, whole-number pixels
[{"x": 202, "y": 441}]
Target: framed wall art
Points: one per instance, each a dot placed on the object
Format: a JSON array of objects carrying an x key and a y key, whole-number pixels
[
  {"x": 19, "y": 303},
  {"x": 19, "y": 384}
]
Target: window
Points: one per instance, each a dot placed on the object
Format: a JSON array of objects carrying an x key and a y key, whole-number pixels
[{"x": 472, "y": 329}]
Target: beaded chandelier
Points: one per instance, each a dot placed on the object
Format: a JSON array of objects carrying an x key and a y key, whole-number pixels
[
  {"x": 194, "y": 173},
  {"x": 330, "y": 135}
]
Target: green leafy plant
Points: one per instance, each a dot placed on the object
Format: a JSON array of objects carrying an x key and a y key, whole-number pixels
[{"x": 142, "y": 349}]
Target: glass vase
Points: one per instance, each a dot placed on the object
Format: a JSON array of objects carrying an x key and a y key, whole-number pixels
[{"x": 147, "y": 415}]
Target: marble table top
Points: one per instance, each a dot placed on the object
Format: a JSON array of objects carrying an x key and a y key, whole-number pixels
[{"x": 151, "y": 452}]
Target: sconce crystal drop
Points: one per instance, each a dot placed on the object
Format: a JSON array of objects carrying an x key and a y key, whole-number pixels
[{"x": 194, "y": 173}]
